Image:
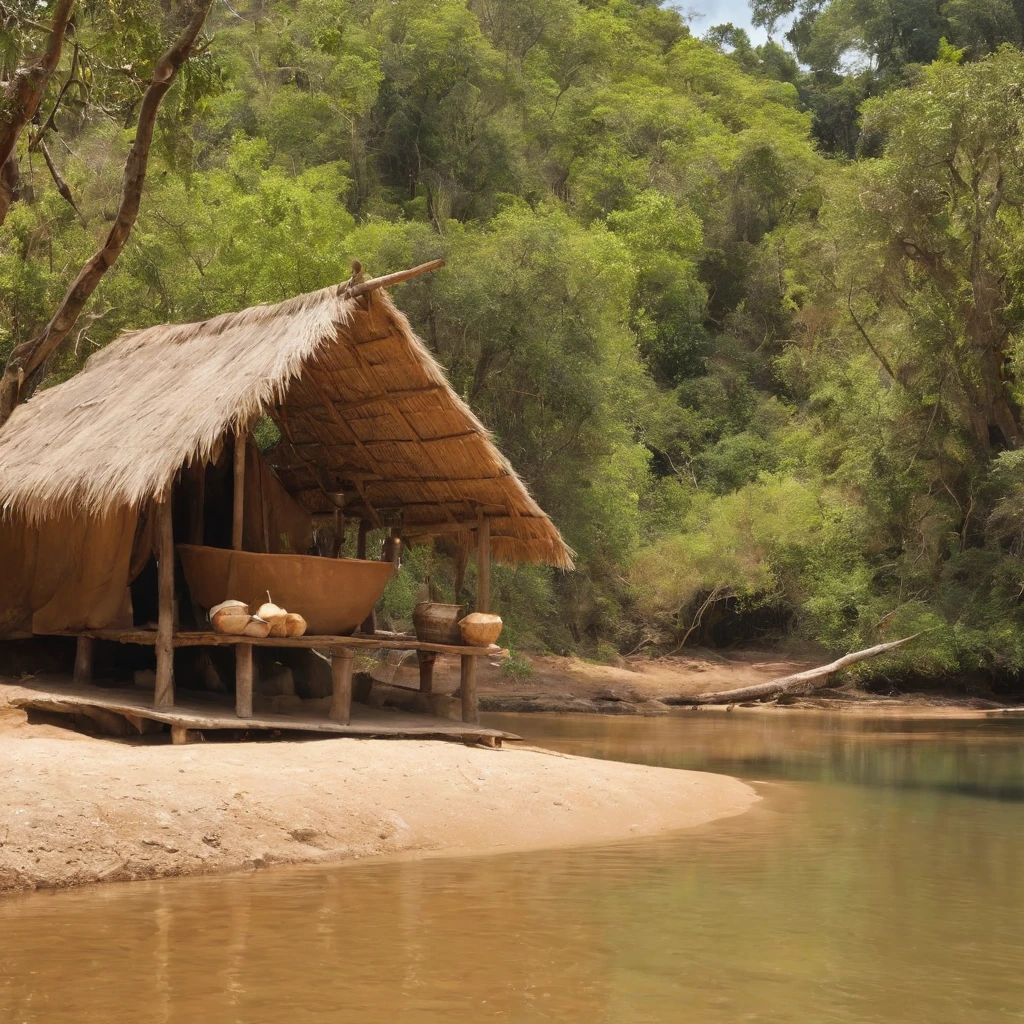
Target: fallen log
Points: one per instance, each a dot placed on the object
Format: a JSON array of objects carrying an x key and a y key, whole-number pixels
[{"x": 801, "y": 682}]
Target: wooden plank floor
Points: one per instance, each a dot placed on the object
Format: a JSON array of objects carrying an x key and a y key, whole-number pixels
[{"x": 201, "y": 712}]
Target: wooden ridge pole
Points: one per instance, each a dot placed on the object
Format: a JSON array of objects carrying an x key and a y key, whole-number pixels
[
  {"x": 163, "y": 696},
  {"x": 354, "y": 288}
]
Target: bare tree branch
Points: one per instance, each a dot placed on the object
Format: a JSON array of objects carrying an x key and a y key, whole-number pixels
[
  {"x": 62, "y": 185},
  {"x": 24, "y": 92},
  {"x": 799, "y": 683},
  {"x": 864, "y": 334},
  {"x": 26, "y": 363}
]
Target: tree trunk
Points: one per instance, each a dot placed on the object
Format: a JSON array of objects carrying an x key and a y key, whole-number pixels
[
  {"x": 799, "y": 683},
  {"x": 26, "y": 363},
  {"x": 24, "y": 92}
]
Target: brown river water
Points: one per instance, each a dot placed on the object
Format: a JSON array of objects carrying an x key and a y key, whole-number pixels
[{"x": 881, "y": 879}]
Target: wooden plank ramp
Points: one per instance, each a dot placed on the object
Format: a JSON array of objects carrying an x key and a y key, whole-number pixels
[{"x": 196, "y": 712}]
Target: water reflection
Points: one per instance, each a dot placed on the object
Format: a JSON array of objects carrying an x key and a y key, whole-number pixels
[{"x": 873, "y": 889}]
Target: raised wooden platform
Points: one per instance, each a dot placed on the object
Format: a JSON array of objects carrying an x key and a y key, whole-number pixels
[{"x": 200, "y": 713}]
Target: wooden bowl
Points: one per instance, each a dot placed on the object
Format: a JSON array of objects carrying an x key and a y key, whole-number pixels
[
  {"x": 480, "y": 629},
  {"x": 333, "y": 595}
]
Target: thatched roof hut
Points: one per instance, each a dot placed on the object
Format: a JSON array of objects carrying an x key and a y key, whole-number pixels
[{"x": 369, "y": 424}]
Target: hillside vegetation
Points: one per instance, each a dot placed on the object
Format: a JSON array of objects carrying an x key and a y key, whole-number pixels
[{"x": 747, "y": 326}]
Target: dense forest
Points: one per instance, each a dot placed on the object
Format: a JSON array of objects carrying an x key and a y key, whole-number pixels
[{"x": 743, "y": 317}]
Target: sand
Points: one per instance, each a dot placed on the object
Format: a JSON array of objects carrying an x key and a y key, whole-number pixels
[{"x": 77, "y": 809}]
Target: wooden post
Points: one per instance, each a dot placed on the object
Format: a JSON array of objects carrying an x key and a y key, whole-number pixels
[
  {"x": 163, "y": 696},
  {"x": 83, "y": 659},
  {"x": 460, "y": 572},
  {"x": 364, "y": 529},
  {"x": 243, "y": 680},
  {"x": 339, "y": 533},
  {"x": 196, "y": 502},
  {"x": 342, "y": 660},
  {"x": 483, "y": 564},
  {"x": 426, "y": 660},
  {"x": 470, "y": 711},
  {"x": 238, "y": 506}
]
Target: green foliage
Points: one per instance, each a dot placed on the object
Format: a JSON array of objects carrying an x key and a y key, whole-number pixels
[{"x": 737, "y": 373}]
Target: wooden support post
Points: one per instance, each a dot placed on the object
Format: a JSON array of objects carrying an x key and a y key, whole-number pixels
[
  {"x": 163, "y": 696},
  {"x": 470, "y": 711},
  {"x": 342, "y": 660},
  {"x": 483, "y": 564},
  {"x": 83, "y": 659},
  {"x": 460, "y": 572},
  {"x": 426, "y": 660},
  {"x": 339, "y": 533},
  {"x": 243, "y": 680},
  {"x": 195, "y": 532},
  {"x": 364, "y": 529},
  {"x": 238, "y": 506}
]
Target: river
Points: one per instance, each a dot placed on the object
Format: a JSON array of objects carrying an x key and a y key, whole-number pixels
[{"x": 880, "y": 879}]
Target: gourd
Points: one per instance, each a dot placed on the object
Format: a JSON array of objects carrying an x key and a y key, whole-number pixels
[
  {"x": 230, "y": 617},
  {"x": 273, "y": 614},
  {"x": 294, "y": 624}
]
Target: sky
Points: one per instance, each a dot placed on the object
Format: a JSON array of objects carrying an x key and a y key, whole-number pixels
[{"x": 717, "y": 12}]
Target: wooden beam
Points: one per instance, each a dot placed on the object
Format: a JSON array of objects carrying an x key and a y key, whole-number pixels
[
  {"x": 83, "y": 659},
  {"x": 483, "y": 564},
  {"x": 163, "y": 696},
  {"x": 342, "y": 661},
  {"x": 197, "y": 638},
  {"x": 467, "y": 687},
  {"x": 238, "y": 504},
  {"x": 243, "y": 680},
  {"x": 364, "y": 529}
]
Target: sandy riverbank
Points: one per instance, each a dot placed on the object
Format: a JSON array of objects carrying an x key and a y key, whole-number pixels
[{"x": 77, "y": 810}]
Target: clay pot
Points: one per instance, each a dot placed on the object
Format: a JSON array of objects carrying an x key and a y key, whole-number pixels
[
  {"x": 480, "y": 629},
  {"x": 438, "y": 623}
]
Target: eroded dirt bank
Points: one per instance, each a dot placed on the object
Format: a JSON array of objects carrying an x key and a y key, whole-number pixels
[
  {"x": 636, "y": 685},
  {"x": 76, "y": 810}
]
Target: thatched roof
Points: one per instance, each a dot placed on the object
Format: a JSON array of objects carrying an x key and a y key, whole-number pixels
[{"x": 369, "y": 423}]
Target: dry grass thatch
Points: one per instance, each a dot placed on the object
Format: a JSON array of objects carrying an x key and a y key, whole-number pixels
[{"x": 368, "y": 420}]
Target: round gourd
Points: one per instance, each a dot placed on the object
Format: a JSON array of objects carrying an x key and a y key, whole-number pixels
[
  {"x": 480, "y": 629},
  {"x": 294, "y": 624},
  {"x": 230, "y": 617},
  {"x": 257, "y": 628},
  {"x": 274, "y": 615}
]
